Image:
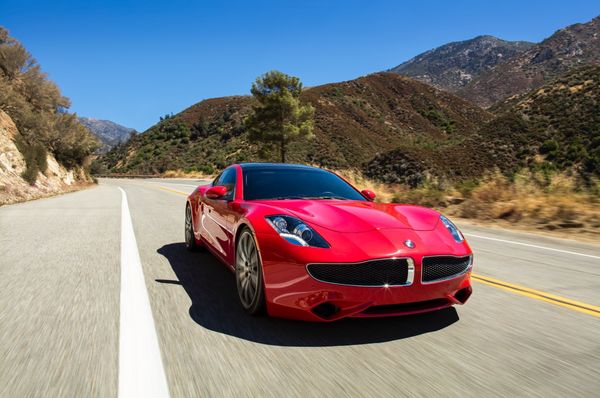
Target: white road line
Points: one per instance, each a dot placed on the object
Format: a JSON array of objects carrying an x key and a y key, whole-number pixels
[
  {"x": 530, "y": 245},
  {"x": 141, "y": 372}
]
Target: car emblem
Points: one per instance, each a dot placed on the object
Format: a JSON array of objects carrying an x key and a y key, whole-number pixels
[{"x": 409, "y": 243}]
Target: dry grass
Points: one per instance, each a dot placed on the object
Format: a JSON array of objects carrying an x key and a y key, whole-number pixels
[
  {"x": 428, "y": 195},
  {"x": 183, "y": 174},
  {"x": 550, "y": 203},
  {"x": 557, "y": 203}
]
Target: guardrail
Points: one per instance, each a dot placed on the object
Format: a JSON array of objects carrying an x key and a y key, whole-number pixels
[
  {"x": 127, "y": 175},
  {"x": 206, "y": 178}
]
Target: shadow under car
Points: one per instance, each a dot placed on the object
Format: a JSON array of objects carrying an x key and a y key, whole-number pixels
[{"x": 215, "y": 306}]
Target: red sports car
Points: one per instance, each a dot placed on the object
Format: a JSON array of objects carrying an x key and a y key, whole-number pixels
[{"x": 305, "y": 244}]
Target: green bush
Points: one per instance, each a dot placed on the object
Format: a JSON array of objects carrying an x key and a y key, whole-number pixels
[
  {"x": 98, "y": 168},
  {"x": 35, "y": 156},
  {"x": 335, "y": 92},
  {"x": 576, "y": 152},
  {"x": 592, "y": 163},
  {"x": 40, "y": 157},
  {"x": 30, "y": 174},
  {"x": 466, "y": 187}
]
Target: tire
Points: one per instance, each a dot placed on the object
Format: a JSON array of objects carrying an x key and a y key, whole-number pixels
[
  {"x": 249, "y": 275},
  {"x": 190, "y": 240}
]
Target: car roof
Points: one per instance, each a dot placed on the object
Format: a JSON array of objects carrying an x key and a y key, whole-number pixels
[{"x": 278, "y": 166}]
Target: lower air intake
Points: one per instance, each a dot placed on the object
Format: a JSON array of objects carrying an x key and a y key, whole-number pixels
[{"x": 436, "y": 268}]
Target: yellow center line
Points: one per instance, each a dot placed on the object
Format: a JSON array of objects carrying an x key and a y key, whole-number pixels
[
  {"x": 539, "y": 295},
  {"x": 173, "y": 191}
]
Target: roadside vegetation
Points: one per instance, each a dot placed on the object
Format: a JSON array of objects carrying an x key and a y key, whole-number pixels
[
  {"x": 557, "y": 202},
  {"x": 39, "y": 111}
]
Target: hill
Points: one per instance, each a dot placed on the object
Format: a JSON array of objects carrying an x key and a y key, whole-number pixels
[
  {"x": 555, "y": 127},
  {"x": 394, "y": 129},
  {"x": 574, "y": 46},
  {"x": 354, "y": 121},
  {"x": 109, "y": 133},
  {"x": 452, "y": 66},
  {"x": 563, "y": 118}
]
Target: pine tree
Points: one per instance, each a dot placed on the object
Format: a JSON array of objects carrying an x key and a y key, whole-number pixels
[{"x": 279, "y": 116}]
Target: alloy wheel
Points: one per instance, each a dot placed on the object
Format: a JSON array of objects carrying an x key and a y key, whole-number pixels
[{"x": 247, "y": 269}]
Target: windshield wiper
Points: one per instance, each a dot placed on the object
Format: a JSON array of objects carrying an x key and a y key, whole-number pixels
[
  {"x": 326, "y": 197},
  {"x": 287, "y": 197}
]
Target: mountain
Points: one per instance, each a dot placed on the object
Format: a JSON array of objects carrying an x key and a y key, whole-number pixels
[
  {"x": 354, "y": 121},
  {"x": 452, "y": 66},
  {"x": 109, "y": 133},
  {"x": 554, "y": 127},
  {"x": 571, "y": 47}
]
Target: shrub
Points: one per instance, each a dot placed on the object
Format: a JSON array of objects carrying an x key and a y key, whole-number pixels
[
  {"x": 40, "y": 157},
  {"x": 35, "y": 159},
  {"x": 97, "y": 168},
  {"x": 30, "y": 173}
]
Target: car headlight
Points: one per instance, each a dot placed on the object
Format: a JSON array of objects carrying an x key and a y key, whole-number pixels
[
  {"x": 296, "y": 231},
  {"x": 456, "y": 234}
]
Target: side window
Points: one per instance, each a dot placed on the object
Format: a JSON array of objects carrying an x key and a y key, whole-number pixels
[
  {"x": 228, "y": 179},
  {"x": 216, "y": 180}
]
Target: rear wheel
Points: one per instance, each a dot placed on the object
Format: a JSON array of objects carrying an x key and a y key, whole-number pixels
[
  {"x": 190, "y": 240},
  {"x": 248, "y": 274}
]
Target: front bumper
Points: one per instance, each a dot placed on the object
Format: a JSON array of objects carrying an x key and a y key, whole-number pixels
[{"x": 292, "y": 293}]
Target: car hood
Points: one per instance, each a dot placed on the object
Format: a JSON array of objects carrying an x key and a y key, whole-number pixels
[{"x": 358, "y": 216}]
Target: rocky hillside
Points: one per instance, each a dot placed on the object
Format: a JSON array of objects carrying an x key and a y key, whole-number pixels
[
  {"x": 13, "y": 164},
  {"x": 354, "y": 121},
  {"x": 109, "y": 133},
  {"x": 568, "y": 48},
  {"x": 452, "y": 66},
  {"x": 555, "y": 127}
]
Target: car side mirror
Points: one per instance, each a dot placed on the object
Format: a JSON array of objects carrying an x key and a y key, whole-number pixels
[
  {"x": 216, "y": 192},
  {"x": 370, "y": 195}
]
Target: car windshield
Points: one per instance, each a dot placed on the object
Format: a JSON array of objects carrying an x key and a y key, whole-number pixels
[{"x": 292, "y": 183}]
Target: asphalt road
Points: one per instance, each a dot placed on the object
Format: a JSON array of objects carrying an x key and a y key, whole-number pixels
[{"x": 531, "y": 328}]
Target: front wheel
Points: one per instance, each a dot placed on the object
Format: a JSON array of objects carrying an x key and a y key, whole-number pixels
[
  {"x": 190, "y": 240},
  {"x": 248, "y": 274}
]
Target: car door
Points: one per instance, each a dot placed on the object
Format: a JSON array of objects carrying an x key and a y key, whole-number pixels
[
  {"x": 217, "y": 216},
  {"x": 204, "y": 225}
]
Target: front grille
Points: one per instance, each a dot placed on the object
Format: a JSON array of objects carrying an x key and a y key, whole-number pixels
[
  {"x": 437, "y": 268},
  {"x": 390, "y": 272}
]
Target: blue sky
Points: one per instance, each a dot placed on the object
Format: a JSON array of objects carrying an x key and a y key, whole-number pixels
[{"x": 132, "y": 61}]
